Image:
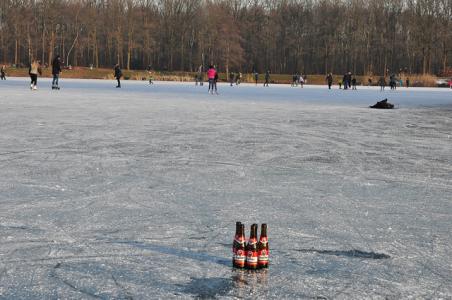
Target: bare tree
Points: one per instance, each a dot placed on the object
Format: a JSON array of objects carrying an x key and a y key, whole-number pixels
[{"x": 309, "y": 36}]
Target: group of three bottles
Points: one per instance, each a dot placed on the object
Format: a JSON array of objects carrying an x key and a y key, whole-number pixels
[{"x": 253, "y": 254}]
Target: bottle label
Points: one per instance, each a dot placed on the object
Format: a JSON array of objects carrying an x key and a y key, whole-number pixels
[
  {"x": 251, "y": 258},
  {"x": 239, "y": 258},
  {"x": 263, "y": 257}
]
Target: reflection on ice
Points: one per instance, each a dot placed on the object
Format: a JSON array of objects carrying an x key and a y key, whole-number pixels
[
  {"x": 208, "y": 288},
  {"x": 242, "y": 284}
]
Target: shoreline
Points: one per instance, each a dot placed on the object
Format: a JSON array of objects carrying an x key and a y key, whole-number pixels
[{"x": 416, "y": 80}]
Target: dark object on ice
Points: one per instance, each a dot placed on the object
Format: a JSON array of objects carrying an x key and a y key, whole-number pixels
[
  {"x": 383, "y": 104},
  {"x": 354, "y": 253}
]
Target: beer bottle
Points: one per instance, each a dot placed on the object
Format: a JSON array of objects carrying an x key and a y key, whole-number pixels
[
  {"x": 238, "y": 247},
  {"x": 251, "y": 249},
  {"x": 262, "y": 248}
]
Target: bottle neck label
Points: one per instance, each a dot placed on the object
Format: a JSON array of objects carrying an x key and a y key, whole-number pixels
[{"x": 239, "y": 240}]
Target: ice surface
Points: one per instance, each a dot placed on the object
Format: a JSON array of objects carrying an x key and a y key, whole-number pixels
[{"x": 133, "y": 193}]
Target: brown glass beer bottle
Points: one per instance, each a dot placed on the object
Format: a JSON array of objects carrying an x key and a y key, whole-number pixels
[
  {"x": 238, "y": 247},
  {"x": 262, "y": 248},
  {"x": 251, "y": 249}
]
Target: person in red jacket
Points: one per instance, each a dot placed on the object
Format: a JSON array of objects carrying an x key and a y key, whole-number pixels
[{"x": 212, "y": 76}]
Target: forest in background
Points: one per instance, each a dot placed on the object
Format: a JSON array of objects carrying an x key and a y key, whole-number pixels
[{"x": 284, "y": 36}]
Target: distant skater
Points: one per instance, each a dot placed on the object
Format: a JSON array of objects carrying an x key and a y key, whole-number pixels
[
  {"x": 149, "y": 69},
  {"x": 267, "y": 78},
  {"x": 353, "y": 83},
  {"x": 329, "y": 80},
  {"x": 349, "y": 80},
  {"x": 211, "y": 75},
  {"x": 294, "y": 80},
  {"x": 231, "y": 78},
  {"x": 34, "y": 71},
  {"x": 56, "y": 70},
  {"x": 407, "y": 82},
  {"x": 256, "y": 77},
  {"x": 3, "y": 73},
  {"x": 118, "y": 75},
  {"x": 201, "y": 75},
  {"x": 301, "y": 80},
  {"x": 382, "y": 83},
  {"x": 196, "y": 79},
  {"x": 392, "y": 82},
  {"x": 238, "y": 78}
]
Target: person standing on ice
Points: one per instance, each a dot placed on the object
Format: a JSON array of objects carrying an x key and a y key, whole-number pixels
[
  {"x": 353, "y": 83},
  {"x": 56, "y": 70},
  {"x": 294, "y": 80},
  {"x": 231, "y": 78},
  {"x": 149, "y": 69},
  {"x": 118, "y": 75},
  {"x": 382, "y": 83},
  {"x": 256, "y": 77},
  {"x": 267, "y": 78},
  {"x": 349, "y": 80},
  {"x": 211, "y": 75},
  {"x": 201, "y": 75},
  {"x": 238, "y": 78},
  {"x": 329, "y": 80},
  {"x": 391, "y": 82},
  {"x": 3, "y": 73},
  {"x": 407, "y": 82},
  {"x": 33, "y": 71}
]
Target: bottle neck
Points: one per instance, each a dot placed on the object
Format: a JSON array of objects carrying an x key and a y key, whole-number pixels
[
  {"x": 237, "y": 228},
  {"x": 253, "y": 232},
  {"x": 264, "y": 230}
]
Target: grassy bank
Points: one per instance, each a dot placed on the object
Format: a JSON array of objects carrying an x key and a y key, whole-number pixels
[{"x": 87, "y": 73}]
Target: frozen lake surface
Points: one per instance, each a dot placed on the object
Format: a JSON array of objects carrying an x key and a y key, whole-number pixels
[{"x": 133, "y": 193}]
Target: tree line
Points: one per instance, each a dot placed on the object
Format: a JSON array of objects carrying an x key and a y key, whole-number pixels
[{"x": 284, "y": 36}]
